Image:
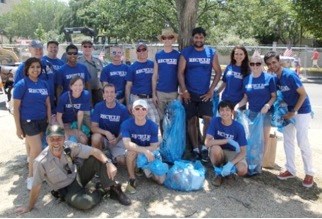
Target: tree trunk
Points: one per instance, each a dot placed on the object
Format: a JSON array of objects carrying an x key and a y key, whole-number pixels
[{"x": 187, "y": 17}]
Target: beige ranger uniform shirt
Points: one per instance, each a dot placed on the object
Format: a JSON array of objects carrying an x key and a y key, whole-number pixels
[
  {"x": 54, "y": 170},
  {"x": 94, "y": 68}
]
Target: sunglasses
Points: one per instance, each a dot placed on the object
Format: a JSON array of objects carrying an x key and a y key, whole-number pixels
[
  {"x": 118, "y": 53},
  {"x": 87, "y": 46},
  {"x": 140, "y": 108},
  {"x": 253, "y": 64},
  {"x": 141, "y": 50},
  {"x": 167, "y": 37},
  {"x": 72, "y": 53}
]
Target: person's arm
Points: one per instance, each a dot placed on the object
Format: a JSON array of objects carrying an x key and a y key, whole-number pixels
[
  {"x": 128, "y": 88},
  {"x": 16, "y": 107},
  {"x": 33, "y": 196},
  {"x": 268, "y": 105},
  {"x": 216, "y": 67},
  {"x": 110, "y": 168},
  {"x": 181, "y": 73},
  {"x": 241, "y": 103},
  {"x": 239, "y": 156},
  {"x": 59, "y": 117},
  {"x": 301, "y": 91},
  {"x": 211, "y": 141},
  {"x": 96, "y": 129},
  {"x": 154, "y": 83}
]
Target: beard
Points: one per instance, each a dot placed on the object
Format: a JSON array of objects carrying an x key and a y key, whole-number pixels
[{"x": 198, "y": 44}]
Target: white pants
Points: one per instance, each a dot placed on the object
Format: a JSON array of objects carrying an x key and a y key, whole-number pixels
[{"x": 300, "y": 129}]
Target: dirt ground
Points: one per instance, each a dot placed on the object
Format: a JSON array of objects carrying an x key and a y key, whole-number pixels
[{"x": 258, "y": 196}]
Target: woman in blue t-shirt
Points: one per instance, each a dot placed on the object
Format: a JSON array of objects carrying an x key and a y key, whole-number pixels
[
  {"x": 74, "y": 105},
  {"x": 32, "y": 110},
  {"x": 235, "y": 72},
  {"x": 260, "y": 93}
]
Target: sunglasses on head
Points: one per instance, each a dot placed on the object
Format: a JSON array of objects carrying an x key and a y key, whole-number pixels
[
  {"x": 87, "y": 46},
  {"x": 167, "y": 37},
  {"x": 141, "y": 50},
  {"x": 72, "y": 53},
  {"x": 139, "y": 108},
  {"x": 253, "y": 63},
  {"x": 116, "y": 52}
]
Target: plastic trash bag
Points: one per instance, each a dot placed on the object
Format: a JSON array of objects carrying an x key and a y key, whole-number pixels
[
  {"x": 157, "y": 167},
  {"x": 280, "y": 109},
  {"x": 253, "y": 125},
  {"x": 174, "y": 132},
  {"x": 185, "y": 176},
  {"x": 215, "y": 103}
]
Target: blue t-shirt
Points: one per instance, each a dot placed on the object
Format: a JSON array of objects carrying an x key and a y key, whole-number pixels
[
  {"x": 288, "y": 84},
  {"x": 67, "y": 72},
  {"x": 33, "y": 97},
  {"x": 258, "y": 90},
  {"x": 140, "y": 135},
  {"x": 69, "y": 108},
  {"x": 140, "y": 74},
  {"x": 167, "y": 70},
  {"x": 56, "y": 63},
  {"x": 198, "y": 68},
  {"x": 115, "y": 74},
  {"x": 109, "y": 119},
  {"x": 234, "y": 131},
  {"x": 233, "y": 78}
]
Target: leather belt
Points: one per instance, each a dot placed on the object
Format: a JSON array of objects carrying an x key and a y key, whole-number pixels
[{"x": 144, "y": 96}]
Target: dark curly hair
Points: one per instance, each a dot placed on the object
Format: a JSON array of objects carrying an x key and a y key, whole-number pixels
[{"x": 28, "y": 63}]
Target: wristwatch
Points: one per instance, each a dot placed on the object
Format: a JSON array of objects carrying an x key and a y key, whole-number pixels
[{"x": 108, "y": 161}]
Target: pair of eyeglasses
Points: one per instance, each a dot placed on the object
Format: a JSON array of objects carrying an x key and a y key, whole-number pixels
[
  {"x": 141, "y": 50},
  {"x": 253, "y": 64},
  {"x": 87, "y": 46},
  {"x": 116, "y": 53},
  {"x": 139, "y": 108},
  {"x": 167, "y": 37},
  {"x": 72, "y": 53}
]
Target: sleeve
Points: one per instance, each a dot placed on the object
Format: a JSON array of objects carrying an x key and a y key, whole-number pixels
[
  {"x": 19, "y": 73},
  {"x": 241, "y": 138},
  {"x": 130, "y": 74},
  {"x": 272, "y": 85},
  {"x": 104, "y": 74},
  {"x": 211, "y": 127},
  {"x": 95, "y": 114},
  {"x": 154, "y": 133},
  {"x": 296, "y": 82},
  {"x": 19, "y": 90},
  {"x": 125, "y": 132},
  {"x": 79, "y": 150}
]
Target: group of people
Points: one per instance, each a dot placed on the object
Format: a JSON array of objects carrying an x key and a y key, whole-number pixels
[{"x": 120, "y": 108}]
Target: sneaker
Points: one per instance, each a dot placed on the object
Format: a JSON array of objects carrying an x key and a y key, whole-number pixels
[
  {"x": 204, "y": 156},
  {"x": 195, "y": 156},
  {"x": 131, "y": 186},
  {"x": 285, "y": 175},
  {"x": 29, "y": 182},
  {"x": 217, "y": 181},
  {"x": 308, "y": 181},
  {"x": 116, "y": 193},
  {"x": 139, "y": 172}
]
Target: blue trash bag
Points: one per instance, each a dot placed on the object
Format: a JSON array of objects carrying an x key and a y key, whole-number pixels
[
  {"x": 218, "y": 170},
  {"x": 185, "y": 176},
  {"x": 253, "y": 125},
  {"x": 174, "y": 132},
  {"x": 72, "y": 138},
  {"x": 280, "y": 109},
  {"x": 157, "y": 167},
  {"x": 215, "y": 103},
  {"x": 84, "y": 128}
]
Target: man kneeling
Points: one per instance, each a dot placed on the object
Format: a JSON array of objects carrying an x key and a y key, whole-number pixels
[
  {"x": 56, "y": 165},
  {"x": 226, "y": 142}
]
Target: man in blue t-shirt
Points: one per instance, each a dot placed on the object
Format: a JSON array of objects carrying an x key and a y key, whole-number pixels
[
  {"x": 107, "y": 118},
  {"x": 139, "y": 82},
  {"x": 194, "y": 75},
  {"x": 69, "y": 70},
  {"x": 226, "y": 142},
  {"x": 299, "y": 109},
  {"x": 165, "y": 74},
  {"x": 140, "y": 135},
  {"x": 115, "y": 73}
]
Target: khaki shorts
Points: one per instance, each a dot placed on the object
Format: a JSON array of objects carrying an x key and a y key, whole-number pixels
[
  {"x": 164, "y": 100},
  {"x": 229, "y": 155},
  {"x": 116, "y": 150}
]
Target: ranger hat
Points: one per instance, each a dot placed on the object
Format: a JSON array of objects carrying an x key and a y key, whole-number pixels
[{"x": 55, "y": 130}]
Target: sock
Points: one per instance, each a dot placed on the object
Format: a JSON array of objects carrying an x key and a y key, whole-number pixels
[
  {"x": 204, "y": 147},
  {"x": 196, "y": 150}
]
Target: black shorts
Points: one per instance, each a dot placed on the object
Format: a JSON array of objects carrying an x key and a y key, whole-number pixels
[
  {"x": 33, "y": 127},
  {"x": 197, "y": 107}
]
